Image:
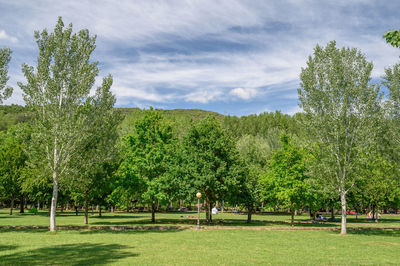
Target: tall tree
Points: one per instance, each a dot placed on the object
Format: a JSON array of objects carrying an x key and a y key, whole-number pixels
[
  {"x": 255, "y": 153},
  {"x": 5, "y": 57},
  {"x": 340, "y": 105},
  {"x": 146, "y": 157},
  {"x": 12, "y": 164},
  {"x": 211, "y": 162},
  {"x": 98, "y": 154},
  {"x": 56, "y": 93},
  {"x": 287, "y": 176}
]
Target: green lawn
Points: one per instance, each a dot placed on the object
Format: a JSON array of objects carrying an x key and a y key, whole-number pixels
[
  {"x": 180, "y": 219},
  {"x": 191, "y": 247}
]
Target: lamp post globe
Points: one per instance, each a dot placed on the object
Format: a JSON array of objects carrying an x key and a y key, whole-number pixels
[{"x": 198, "y": 195}]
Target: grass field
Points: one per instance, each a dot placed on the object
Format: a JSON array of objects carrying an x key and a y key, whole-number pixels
[
  {"x": 180, "y": 219},
  {"x": 192, "y": 247}
]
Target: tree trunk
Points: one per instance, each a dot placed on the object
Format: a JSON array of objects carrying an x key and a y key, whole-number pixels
[
  {"x": 332, "y": 213},
  {"x": 343, "y": 229},
  {"x": 99, "y": 211},
  {"x": 292, "y": 214},
  {"x": 11, "y": 206},
  {"x": 153, "y": 212},
  {"x": 207, "y": 212},
  {"x": 21, "y": 207},
  {"x": 249, "y": 212},
  {"x": 222, "y": 206},
  {"x": 86, "y": 208},
  {"x": 376, "y": 213},
  {"x": 210, "y": 211},
  {"x": 54, "y": 203}
]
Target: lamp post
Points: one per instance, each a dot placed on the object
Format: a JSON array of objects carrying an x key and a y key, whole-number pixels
[{"x": 198, "y": 195}]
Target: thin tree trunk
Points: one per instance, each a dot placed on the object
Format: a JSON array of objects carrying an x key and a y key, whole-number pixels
[
  {"x": 210, "y": 211},
  {"x": 99, "y": 211},
  {"x": 21, "y": 207},
  {"x": 54, "y": 203},
  {"x": 292, "y": 214},
  {"x": 207, "y": 211},
  {"x": 343, "y": 229},
  {"x": 249, "y": 212},
  {"x": 153, "y": 212},
  {"x": 86, "y": 208},
  {"x": 11, "y": 206},
  {"x": 332, "y": 213}
]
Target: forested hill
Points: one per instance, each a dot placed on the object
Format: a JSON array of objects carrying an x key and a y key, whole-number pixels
[{"x": 266, "y": 125}]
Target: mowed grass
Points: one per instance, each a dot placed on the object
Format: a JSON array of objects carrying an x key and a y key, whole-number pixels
[
  {"x": 204, "y": 247},
  {"x": 185, "y": 219}
]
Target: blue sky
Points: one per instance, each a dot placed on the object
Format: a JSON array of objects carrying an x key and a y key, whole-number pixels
[{"x": 232, "y": 57}]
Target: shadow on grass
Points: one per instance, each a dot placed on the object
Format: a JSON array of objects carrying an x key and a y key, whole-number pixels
[
  {"x": 129, "y": 231},
  {"x": 216, "y": 222},
  {"x": 371, "y": 221},
  {"x": 395, "y": 233},
  {"x": 7, "y": 247},
  {"x": 71, "y": 254}
]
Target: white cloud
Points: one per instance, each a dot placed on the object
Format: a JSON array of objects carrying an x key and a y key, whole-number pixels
[
  {"x": 6, "y": 37},
  {"x": 244, "y": 93},
  {"x": 281, "y": 35}
]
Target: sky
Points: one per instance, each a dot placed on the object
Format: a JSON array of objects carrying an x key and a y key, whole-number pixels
[{"x": 231, "y": 57}]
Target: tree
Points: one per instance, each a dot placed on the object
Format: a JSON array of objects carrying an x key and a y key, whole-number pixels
[
  {"x": 255, "y": 153},
  {"x": 393, "y": 37},
  {"x": 340, "y": 106},
  {"x": 5, "y": 57},
  {"x": 287, "y": 176},
  {"x": 146, "y": 157},
  {"x": 12, "y": 164},
  {"x": 98, "y": 155},
  {"x": 56, "y": 94},
  {"x": 211, "y": 163}
]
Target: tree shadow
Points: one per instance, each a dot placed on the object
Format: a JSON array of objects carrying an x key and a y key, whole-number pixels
[
  {"x": 7, "y": 247},
  {"x": 129, "y": 231},
  {"x": 372, "y": 221},
  {"x": 70, "y": 254},
  {"x": 374, "y": 232}
]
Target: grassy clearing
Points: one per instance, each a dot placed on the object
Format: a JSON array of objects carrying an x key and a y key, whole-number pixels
[
  {"x": 191, "y": 247},
  {"x": 180, "y": 219}
]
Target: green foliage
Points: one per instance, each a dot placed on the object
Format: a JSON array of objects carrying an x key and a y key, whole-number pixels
[
  {"x": 286, "y": 176},
  {"x": 392, "y": 37},
  {"x": 5, "y": 57},
  {"x": 11, "y": 115},
  {"x": 211, "y": 164},
  {"x": 341, "y": 110},
  {"x": 56, "y": 93},
  {"x": 255, "y": 153},
  {"x": 12, "y": 164},
  {"x": 146, "y": 158}
]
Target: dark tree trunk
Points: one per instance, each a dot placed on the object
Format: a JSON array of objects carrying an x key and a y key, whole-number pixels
[
  {"x": 207, "y": 212},
  {"x": 209, "y": 204},
  {"x": 86, "y": 208},
  {"x": 153, "y": 212},
  {"x": 292, "y": 214},
  {"x": 11, "y": 206},
  {"x": 249, "y": 212},
  {"x": 99, "y": 211},
  {"x": 21, "y": 206},
  {"x": 332, "y": 213}
]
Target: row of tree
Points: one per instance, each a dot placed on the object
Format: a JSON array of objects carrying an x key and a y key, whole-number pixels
[{"x": 342, "y": 148}]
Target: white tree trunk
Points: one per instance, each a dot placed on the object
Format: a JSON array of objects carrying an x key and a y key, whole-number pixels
[
  {"x": 54, "y": 203},
  {"x": 343, "y": 229}
]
